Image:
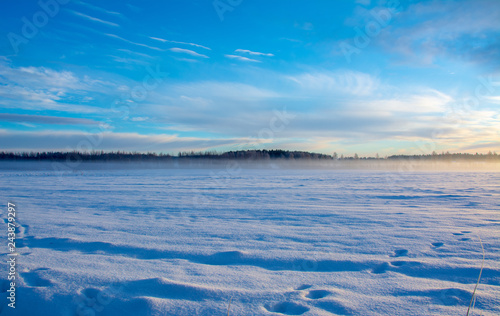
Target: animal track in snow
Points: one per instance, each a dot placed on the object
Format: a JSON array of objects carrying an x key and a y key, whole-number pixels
[
  {"x": 317, "y": 294},
  {"x": 303, "y": 287},
  {"x": 287, "y": 308},
  {"x": 381, "y": 268},
  {"x": 400, "y": 253},
  {"x": 33, "y": 279},
  {"x": 437, "y": 244}
]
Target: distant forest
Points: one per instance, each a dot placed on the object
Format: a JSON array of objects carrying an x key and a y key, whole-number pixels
[{"x": 230, "y": 155}]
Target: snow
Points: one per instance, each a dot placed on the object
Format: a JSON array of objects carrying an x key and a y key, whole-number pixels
[{"x": 273, "y": 241}]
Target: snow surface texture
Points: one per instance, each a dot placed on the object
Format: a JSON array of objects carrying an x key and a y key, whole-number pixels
[{"x": 274, "y": 242}]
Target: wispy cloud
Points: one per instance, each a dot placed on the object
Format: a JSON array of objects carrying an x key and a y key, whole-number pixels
[
  {"x": 34, "y": 85},
  {"x": 94, "y": 19},
  {"x": 133, "y": 43},
  {"x": 129, "y": 63},
  {"x": 43, "y": 119},
  {"x": 343, "y": 82},
  {"x": 429, "y": 102},
  {"x": 139, "y": 119},
  {"x": 44, "y": 88},
  {"x": 483, "y": 145},
  {"x": 241, "y": 58},
  {"x": 494, "y": 99},
  {"x": 187, "y": 51},
  {"x": 44, "y": 77},
  {"x": 99, "y": 9},
  {"x": 468, "y": 32},
  {"x": 61, "y": 140},
  {"x": 176, "y": 42},
  {"x": 252, "y": 53},
  {"x": 130, "y": 52}
]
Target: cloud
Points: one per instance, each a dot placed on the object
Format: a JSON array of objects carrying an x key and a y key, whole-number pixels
[
  {"x": 40, "y": 77},
  {"x": 176, "y": 42},
  {"x": 242, "y": 58},
  {"x": 427, "y": 101},
  {"x": 345, "y": 82},
  {"x": 44, "y": 88},
  {"x": 494, "y": 99},
  {"x": 96, "y": 8},
  {"x": 345, "y": 106},
  {"x": 36, "y": 85},
  {"x": 94, "y": 19},
  {"x": 467, "y": 32},
  {"x": 252, "y": 53},
  {"x": 225, "y": 108},
  {"x": 139, "y": 119},
  {"x": 26, "y": 124},
  {"x": 221, "y": 89},
  {"x": 62, "y": 140},
  {"x": 483, "y": 145},
  {"x": 129, "y": 63},
  {"x": 187, "y": 51},
  {"x": 131, "y": 42},
  {"x": 130, "y": 52},
  {"x": 42, "y": 119}
]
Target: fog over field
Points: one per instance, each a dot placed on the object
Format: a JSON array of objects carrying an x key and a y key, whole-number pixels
[{"x": 234, "y": 167}]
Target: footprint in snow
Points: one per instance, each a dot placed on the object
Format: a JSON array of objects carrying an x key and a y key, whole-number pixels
[
  {"x": 381, "y": 268},
  {"x": 303, "y": 287},
  {"x": 287, "y": 308},
  {"x": 33, "y": 279},
  {"x": 317, "y": 294},
  {"x": 437, "y": 244},
  {"x": 400, "y": 253}
]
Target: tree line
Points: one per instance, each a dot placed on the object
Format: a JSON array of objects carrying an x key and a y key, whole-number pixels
[
  {"x": 152, "y": 156},
  {"x": 230, "y": 155}
]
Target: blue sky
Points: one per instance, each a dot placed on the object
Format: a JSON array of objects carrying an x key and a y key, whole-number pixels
[{"x": 349, "y": 77}]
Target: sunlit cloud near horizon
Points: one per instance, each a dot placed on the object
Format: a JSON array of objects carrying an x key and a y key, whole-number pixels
[{"x": 366, "y": 77}]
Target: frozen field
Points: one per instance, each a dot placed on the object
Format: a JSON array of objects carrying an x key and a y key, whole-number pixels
[{"x": 274, "y": 242}]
